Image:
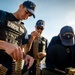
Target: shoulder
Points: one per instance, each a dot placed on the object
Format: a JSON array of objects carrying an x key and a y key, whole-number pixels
[
  {"x": 7, "y": 15},
  {"x": 43, "y": 38},
  {"x": 2, "y": 14},
  {"x": 3, "y": 18},
  {"x": 1, "y": 11},
  {"x": 55, "y": 37},
  {"x": 54, "y": 40}
]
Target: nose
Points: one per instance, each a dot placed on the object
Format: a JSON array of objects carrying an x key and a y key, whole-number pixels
[
  {"x": 26, "y": 17},
  {"x": 39, "y": 29}
]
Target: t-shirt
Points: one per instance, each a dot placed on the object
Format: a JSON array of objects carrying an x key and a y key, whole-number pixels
[
  {"x": 60, "y": 56},
  {"x": 4, "y": 17},
  {"x": 43, "y": 44},
  {"x": 6, "y": 59}
]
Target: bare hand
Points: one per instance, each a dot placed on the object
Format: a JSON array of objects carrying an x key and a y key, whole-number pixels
[
  {"x": 29, "y": 61},
  {"x": 34, "y": 34},
  {"x": 14, "y": 51},
  {"x": 41, "y": 54}
]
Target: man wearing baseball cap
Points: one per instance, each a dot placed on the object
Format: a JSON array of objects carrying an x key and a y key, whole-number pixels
[
  {"x": 42, "y": 46},
  {"x": 67, "y": 36},
  {"x": 61, "y": 50},
  {"x": 10, "y": 51},
  {"x": 30, "y": 6}
]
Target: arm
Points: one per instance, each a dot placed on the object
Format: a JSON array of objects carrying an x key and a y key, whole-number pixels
[
  {"x": 29, "y": 61},
  {"x": 27, "y": 58},
  {"x": 16, "y": 52},
  {"x": 27, "y": 47},
  {"x": 43, "y": 53}
]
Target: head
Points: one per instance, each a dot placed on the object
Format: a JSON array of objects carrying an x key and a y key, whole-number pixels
[
  {"x": 67, "y": 36},
  {"x": 40, "y": 24},
  {"x": 26, "y": 9}
]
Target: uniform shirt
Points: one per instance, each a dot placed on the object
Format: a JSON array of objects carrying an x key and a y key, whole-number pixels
[
  {"x": 60, "y": 56},
  {"x": 42, "y": 42},
  {"x": 4, "y": 17},
  {"x": 5, "y": 59}
]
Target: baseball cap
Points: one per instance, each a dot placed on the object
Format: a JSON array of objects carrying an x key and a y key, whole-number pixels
[
  {"x": 40, "y": 23},
  {"x": 30, "y": 7},
  {"x": 67, "y": 36}
]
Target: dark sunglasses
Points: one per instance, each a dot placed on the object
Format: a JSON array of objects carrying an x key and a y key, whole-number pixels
[{"x": 40, "y": 28}]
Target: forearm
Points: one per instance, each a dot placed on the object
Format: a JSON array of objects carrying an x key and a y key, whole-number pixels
[
  {"x": 3, "y": 45},
  {"x": 29, "y": 45}
]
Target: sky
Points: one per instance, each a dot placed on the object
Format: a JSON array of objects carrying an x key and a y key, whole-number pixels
[{"x": 55, "y": 13}]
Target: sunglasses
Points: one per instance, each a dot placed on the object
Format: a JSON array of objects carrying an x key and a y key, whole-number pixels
[{"x": 41, "y": 28}]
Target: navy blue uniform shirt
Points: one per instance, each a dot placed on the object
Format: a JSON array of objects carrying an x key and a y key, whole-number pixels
[
  {"x": 60, "y": 56},
  {"x": 5, "y": 59},
  {"x": 41, "y": 44}
]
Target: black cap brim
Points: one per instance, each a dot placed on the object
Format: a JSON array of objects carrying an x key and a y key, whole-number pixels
[
  {"x": 32, "y": 12},
  {"x": 68, "y": 42}
]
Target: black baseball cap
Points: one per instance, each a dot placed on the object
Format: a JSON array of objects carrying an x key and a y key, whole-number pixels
[
  {"x": 30, "y": 7},
  {"x": 67, "y": 36},
  {"x": 40, "y": 23}
]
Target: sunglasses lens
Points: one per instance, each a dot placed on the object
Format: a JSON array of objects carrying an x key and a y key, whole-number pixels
[{"x": 40, "y": 28}]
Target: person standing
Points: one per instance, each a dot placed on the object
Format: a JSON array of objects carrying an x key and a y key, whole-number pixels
[
  {"x": 37, "y": 49},
  {"x": 10, "y": 33}
]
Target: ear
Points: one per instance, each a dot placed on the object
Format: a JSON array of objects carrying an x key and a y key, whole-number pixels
[
  {"x": 35, "y": 26},
  {"x": 21, "y": 6}
]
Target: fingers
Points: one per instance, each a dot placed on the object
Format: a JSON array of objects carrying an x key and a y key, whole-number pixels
[
  {"x": 14, "y": 54},
  {"x": 34, "y": 33},
  {"x": 29, "y": 61},
  {"x": 40, "y": 55},
  {"x": 20, "y": 54},
  {"x": 17, "y": 54},
  {"x": 26, "y": 59},
  {"x": 14, "y": 51}
]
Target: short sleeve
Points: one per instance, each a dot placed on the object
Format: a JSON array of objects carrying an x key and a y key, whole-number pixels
[{"x": 2, "y": 17}]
